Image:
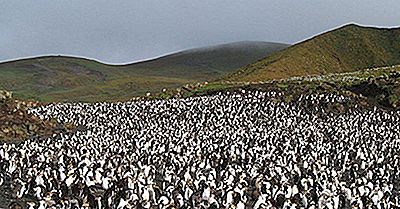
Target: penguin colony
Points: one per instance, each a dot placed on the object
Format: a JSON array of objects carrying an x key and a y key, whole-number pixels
[{"x": 231, "y": 150}]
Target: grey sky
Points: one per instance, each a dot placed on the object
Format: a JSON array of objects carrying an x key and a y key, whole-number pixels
[{"x": 121, "y": 31}]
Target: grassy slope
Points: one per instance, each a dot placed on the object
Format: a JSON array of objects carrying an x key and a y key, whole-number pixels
[
  {"x": 376, "y": 87},
  {"x": 345, "y": 49},
  {"x": 218, "y": 59},
  {"x": 58, "y": 78}
]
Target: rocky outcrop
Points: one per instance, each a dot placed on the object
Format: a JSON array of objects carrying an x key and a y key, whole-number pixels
[{"x": 16, "y": 124}]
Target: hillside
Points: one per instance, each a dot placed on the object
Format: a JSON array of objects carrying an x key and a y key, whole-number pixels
[
  {"x": 216, "y": 59},
  {"x": 61, "y": 78},
  {"x": 375, "y": 87},
  {"x": 345, "y": 49}
]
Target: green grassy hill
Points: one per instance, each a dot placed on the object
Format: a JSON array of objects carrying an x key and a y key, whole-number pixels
[
  {"x": 218, "y": 59},
  {"x": 345, "y": 49},
  {"x": 61, "y": 78}
]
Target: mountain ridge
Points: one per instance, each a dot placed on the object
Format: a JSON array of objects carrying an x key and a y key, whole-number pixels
[
  {"x": 347, "y": 48},
  {"x": 176, "y": 53}
]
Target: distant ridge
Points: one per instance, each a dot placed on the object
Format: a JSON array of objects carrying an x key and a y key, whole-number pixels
[
  {"x": 66, "y": 78},
  {"x": 224, "y": 57},
  {"x": 348, "y": 48}
]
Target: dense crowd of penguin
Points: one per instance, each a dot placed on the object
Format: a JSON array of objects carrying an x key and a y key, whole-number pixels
[{"x": 230, "y": 150}]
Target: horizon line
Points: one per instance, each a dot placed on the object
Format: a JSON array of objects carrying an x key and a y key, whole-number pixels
[{"x": 130, "y": 62}]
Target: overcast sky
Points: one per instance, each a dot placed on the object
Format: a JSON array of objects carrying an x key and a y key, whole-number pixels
[{"x": 121, "y": 31}]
